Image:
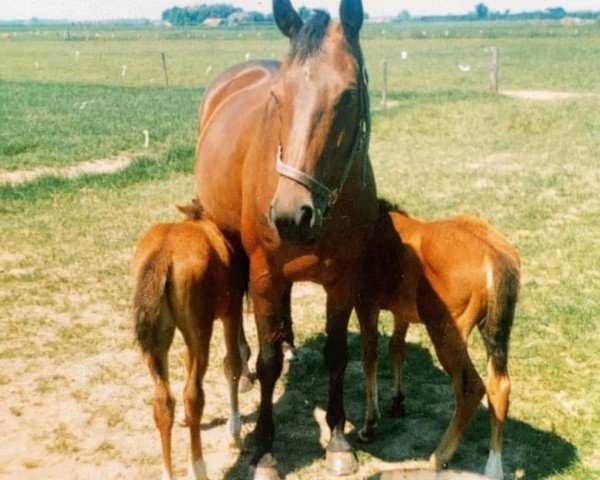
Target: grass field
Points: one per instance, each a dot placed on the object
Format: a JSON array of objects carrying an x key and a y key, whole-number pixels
[{"x": 75, "y": 395}]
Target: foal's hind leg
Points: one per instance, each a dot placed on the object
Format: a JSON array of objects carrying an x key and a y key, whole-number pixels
[
  {"x": 287, "y": 345},
  {"x": 245, "y": 383},
  {"x": 198, "y": 349},
  {"x": 164, "y": 402},
  {"x": 397, "y": 348},
  {"x": 468, "y": 386},
  {"x": 232, "y": 364},
  {"x": 498, "y": 391}
]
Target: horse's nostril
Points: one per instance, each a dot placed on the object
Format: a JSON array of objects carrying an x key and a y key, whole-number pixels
[
  {"x": 271, "y": 213},
  {"x": 306, "y": 216}
]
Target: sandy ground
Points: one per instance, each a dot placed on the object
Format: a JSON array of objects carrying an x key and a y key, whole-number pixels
[
  {"x": 78, "y": 417},
  {"x": 93, "y": 167},
  {"x": 543, "y": 95}
]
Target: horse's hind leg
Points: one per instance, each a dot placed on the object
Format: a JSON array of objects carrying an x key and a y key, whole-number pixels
[
  {"x": 164, "y": 402},
  {"x": 468, "y": 386},
  {"x": 397, "y": 348},
  {"x": 232, "y": 364},
  {"x": 198, "y": 349},
  {"x": 368, "y": 316}
]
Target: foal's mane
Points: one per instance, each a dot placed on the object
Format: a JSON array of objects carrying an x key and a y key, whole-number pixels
[{"x": 309, "y": 39}]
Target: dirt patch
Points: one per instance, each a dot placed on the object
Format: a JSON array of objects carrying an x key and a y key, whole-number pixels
[
  {"x": 92, "y": 167},
  {"x": 544, "y": 95},
  {"x": 389, "y": 105}
]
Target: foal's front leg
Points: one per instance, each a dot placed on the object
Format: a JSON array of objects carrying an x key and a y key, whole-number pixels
[
  {"x": 340, "y": 458},
  {"x": 397, "y": 350},
  {"x": 368, "y": 316}
]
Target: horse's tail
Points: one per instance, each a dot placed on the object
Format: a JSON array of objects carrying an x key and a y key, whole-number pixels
[
  {"x": 503, "y": 290},
  {"x": 149, "y": 287}
]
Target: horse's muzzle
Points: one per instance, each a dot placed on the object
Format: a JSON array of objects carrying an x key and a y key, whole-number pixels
[{"x": 301, "y": 225}]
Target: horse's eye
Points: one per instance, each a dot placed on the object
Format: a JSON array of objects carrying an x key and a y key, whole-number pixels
[
  {"x": 275, "y": 97},
  {"x": 348, "y": 98}
]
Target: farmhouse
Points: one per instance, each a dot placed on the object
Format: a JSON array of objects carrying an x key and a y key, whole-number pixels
[
  {"x": 213, "y": 22},
  {"x": 239, "y": 18}
]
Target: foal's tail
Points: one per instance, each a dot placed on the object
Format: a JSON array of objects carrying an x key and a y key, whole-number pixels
[
  {"x": 503, "y": 290},
  {"x": 150, "y": 280}
]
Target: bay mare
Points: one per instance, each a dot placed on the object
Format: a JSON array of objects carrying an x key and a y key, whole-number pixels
[
  {"x": 282, "y": 168},
  {"x": 452, "y": 275},
  {"x": 186, "y": 276}
]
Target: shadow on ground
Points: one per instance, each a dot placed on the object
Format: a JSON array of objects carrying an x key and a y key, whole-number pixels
[{"x": 429, "y": 404}]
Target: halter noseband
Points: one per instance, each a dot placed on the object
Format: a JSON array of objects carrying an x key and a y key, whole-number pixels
[{"x": 318, "y": 189}]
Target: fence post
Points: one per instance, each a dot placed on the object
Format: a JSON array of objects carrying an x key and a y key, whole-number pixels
[
  {"x": 384, "y": 92},
  {"x": 164, "y": 65},
  {"x": 494, "y": 68}
]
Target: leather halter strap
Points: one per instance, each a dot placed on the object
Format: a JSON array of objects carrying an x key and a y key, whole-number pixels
[{"x": 317, "y": 188}]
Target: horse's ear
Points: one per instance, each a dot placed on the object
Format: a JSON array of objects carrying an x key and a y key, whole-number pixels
[
  {"x": 352, "y": 15},
  {"x": 287, "y": 19},
  {"x": 194, "y": 211}
]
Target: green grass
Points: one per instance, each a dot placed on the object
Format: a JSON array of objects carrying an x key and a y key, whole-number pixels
[
  {"x": 532, "y": 169},
  {"x": 53, "y": 124}
]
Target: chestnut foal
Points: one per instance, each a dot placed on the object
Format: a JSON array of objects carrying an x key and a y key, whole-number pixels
[
  {"x": 455, "y": 273},
  {"x": 185, "y": 277}
]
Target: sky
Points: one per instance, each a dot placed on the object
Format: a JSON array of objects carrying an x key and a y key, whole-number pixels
[{"x": 85, "y": 10}]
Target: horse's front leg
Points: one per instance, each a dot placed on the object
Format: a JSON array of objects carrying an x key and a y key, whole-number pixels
[
  {"x": 368, "y": 316},
  {"x": 267, "y": 298},
  {"x": 340, "y": 458}
]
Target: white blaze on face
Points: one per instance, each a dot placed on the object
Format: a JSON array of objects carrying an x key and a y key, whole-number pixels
[{"x": 493, "y": 469}]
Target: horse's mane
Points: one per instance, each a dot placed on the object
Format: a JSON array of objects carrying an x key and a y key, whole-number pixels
[
  {"x": 385, "y": 206},
  {"x": 309, "y": 39}
]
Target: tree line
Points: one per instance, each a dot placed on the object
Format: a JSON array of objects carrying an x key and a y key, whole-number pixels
[
  {"x": 482, "y": 12},
  {"x": 197, "y": 14}
]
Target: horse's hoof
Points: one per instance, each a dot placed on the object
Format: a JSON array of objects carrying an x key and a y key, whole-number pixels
[
  {"x": 182, "y": 421},
  {"x": 266, "y": 469},
  {"x": 493, "y": 468},
  {"x": 436, "y": 463},
  {"x": 398, "y": 409},
  {"x": 366, "y": 435},
  {"x": 341, "y": 463},
  {"x": 288, "y": 352},
  {"x": 245, "y": 384}
]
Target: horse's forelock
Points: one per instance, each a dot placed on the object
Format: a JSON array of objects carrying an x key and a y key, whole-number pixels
[{"x": 309, "y": 39}]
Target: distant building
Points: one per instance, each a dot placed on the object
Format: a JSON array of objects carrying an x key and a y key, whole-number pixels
[
  {"x": 238, "y": 18},
  {"x": 213, "y": 22}
]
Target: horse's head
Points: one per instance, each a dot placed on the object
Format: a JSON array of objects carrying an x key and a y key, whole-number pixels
[{"x": 322, "y": 103}]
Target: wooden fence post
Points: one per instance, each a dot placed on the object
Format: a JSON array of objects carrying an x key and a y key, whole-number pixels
[
  {"x": 384, "y": 92},
  {"x": 494, "y": 68},
  {"x": 164, "y": 65}
]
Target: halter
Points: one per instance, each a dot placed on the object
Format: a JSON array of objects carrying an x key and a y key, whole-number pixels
[{"x": 318, "y": 189}]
